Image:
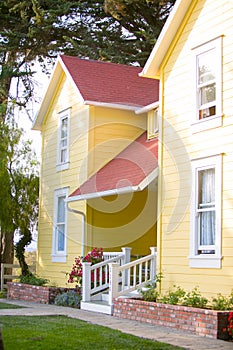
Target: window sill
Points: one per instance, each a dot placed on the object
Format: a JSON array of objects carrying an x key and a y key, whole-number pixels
[
  {"x": 152, "y": 135},
  {"x": 205, "y": 261},
  {"x": 63, "y": 166},
  {"x": 206, "y": 124},
  {"x": 59, "y": 258}
]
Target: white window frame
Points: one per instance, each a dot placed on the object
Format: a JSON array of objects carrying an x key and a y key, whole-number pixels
[
  {"x": 65, "y": 164},
  {"x": 214, "y": 120},
  {"x": 153, "y": 123},
  {"x": 196, "y": 259},
  {"x": 59, "y": 256}
]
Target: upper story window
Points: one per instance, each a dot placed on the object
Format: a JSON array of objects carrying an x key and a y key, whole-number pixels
[
  {"x": 206, "y": 213},
  {"x": 59, "y": 225},
  {"x": 208, "y": 80},
  {"x": 63, "y": 141},
  {"x": 153, "y": 123}
]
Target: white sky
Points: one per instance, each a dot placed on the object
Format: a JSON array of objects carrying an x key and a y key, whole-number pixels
[
  {"x": 24, "y": 122},
  {"x": 41, "y": 82}
]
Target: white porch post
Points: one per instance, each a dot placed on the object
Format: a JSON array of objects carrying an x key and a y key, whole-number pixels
[
  {"x": 127, "y": 254},
  {"x": 153, "y": 263},
  {"x": 86, "y": 282},
  {"x": 126, "y": 260},
  {"x": 113, "y": 281}
]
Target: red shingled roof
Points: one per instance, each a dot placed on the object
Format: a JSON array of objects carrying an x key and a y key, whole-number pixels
[
  {"x": 124, "y": 173},
  {"x": 106, "y": 82}
]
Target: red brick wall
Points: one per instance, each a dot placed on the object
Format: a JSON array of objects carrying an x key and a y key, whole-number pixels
[
  {"x": 38, "y": 294},
  {"x": 203, "y": 322}
]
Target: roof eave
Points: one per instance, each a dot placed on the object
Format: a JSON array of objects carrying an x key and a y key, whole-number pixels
[
  {"x": 47, "y": 96},
  {"x": 116, "y": 191},
  {"x": 53, "y": 83},
  {"x": 147, "y": 108},
  {"x": 152, "y": 66},
  {"x": 112, "y": 105},
  {"x": 129, "y": 189}
]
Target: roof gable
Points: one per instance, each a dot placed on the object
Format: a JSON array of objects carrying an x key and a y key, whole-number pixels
[
  {"x": 112, "y": 83},
  {"x": 101, "y": 83}
]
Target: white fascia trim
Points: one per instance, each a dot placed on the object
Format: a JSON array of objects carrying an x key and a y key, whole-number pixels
[
  {"x": 147, "y": 108},
  {"x": 51, "y": 86},
  {"x": 116, "y": 191},
  {"x": 93, "y": 195},
  {"x": 71, "y": 80},
  {"x": 111, "y": 105},
  {"x": 153, "y": 175},
  {"x": 151, "y": 68}
]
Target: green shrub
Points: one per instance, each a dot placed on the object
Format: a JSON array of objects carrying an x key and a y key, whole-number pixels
[
  {"x": 3, "y": 293},
  {"x": 194, "y": 299},
  {"x": 222, "y": 303},
  {"x": 174, "y": 296},
  {"x": 71, "y": 298},
  {"x": 151, "y": 294},
  {"x": 33, "y": 280}
]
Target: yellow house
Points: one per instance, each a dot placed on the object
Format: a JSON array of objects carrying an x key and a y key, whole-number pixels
[
  {"x": 96, "y": 187},
  {"x": 193, "y": 61}
]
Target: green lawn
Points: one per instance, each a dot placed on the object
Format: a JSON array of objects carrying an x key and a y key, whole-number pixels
[
  {"x": 60, "y": 332},
  {"x": 9, "y": 306}
]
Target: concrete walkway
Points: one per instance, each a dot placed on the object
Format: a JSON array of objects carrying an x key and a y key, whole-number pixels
[{"x": 139, "y": 329}]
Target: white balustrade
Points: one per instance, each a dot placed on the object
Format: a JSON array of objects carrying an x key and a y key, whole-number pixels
[
  {"x": 96, "y": 277},
  {"x": 134, "y": 275},
  {"x": 117, "y": 274}
]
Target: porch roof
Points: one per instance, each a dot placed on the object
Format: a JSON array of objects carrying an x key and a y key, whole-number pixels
[{"x": 130, "y": 171}]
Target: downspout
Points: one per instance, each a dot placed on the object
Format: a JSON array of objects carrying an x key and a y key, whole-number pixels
[{"x": 83, "y": 226}]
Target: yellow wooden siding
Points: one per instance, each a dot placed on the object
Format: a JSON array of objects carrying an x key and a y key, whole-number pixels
[
  {"x": 180, "y": 146},
  {"x": 110, "y": 132},
  {"x": 124, "y": 220},
  {"x": 96, "y": 136},
  {"x": 65, "y": 97}
]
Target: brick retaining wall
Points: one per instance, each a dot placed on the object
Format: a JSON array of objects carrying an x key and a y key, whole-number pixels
[
  {"x": 38, "y": 294},
  {"x": 203, "y": 322}
]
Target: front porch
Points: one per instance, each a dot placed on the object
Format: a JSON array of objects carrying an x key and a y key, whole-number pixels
[{"x": 116, "y": 276}]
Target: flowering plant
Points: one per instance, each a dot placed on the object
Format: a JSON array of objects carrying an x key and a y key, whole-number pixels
[{"x": 94, "y": 257}]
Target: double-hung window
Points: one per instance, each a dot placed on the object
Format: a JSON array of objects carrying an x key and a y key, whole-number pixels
[
  {"x": 59, "y": 225},
  {"x": 63, "y": 141},
  {"x": 208, "y": 82},
  {"x": 205, "y": 247}
]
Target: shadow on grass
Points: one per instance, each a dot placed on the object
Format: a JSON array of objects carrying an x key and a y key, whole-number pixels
[{"x": 61, "y": 332}]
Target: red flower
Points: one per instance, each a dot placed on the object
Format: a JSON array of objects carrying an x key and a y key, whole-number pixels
[{"x": 94, "y": 257}]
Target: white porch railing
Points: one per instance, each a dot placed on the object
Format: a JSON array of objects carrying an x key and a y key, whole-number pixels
[
  {"x": 118, "y": 275},
  {"x": 133, "y": 275},
  {"x": 96, "y": 277}
]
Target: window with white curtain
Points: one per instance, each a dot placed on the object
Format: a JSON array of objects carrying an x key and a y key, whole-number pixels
[
  {"x": 206, "y": 211},
  {"x": 59, "y": 225},
  {"x": 205, "y": 238}
]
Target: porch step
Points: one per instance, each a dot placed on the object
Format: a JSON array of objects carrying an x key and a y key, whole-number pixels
[
  {"x": 100, "y": 306},
  {"x": 100, "y": 303}
]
